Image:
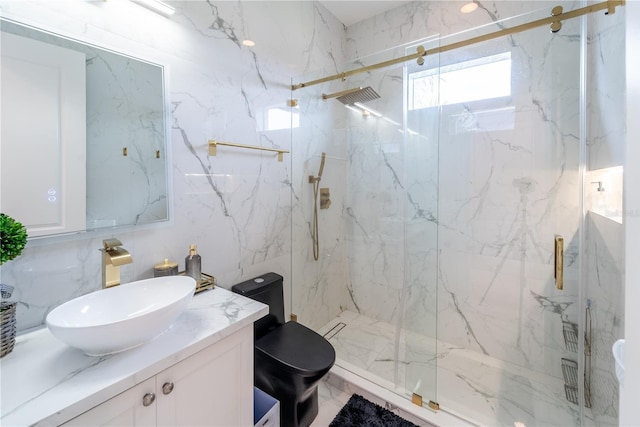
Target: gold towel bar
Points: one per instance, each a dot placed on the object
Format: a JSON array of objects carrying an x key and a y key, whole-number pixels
[{"x": 213, "y": 144}]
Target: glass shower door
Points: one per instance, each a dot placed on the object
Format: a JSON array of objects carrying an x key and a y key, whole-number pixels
[
  {"x": 418, "y": 344},
  {"x": 504, "y": 116}
]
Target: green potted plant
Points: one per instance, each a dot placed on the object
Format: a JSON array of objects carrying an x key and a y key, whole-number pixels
[{"x": 13, "y": 238}]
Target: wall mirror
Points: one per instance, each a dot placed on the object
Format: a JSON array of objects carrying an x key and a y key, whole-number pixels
[{"x": 84, "y": 135}]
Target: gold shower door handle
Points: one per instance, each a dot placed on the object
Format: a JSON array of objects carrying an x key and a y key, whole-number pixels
[{"x": 558, "y": 261}]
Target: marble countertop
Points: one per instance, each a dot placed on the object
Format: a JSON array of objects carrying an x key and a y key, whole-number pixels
[{"x": 45, "y": 382}]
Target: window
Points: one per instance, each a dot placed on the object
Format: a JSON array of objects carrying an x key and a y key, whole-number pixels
[
  {"x": 282, "y": 118},
  {"x": 482, "y": 78}
]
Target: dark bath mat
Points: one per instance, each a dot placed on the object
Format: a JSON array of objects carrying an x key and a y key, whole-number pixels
[{"x": 359, "y": 412}]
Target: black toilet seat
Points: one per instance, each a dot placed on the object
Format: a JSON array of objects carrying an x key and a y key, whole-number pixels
[{"x": 298, "y": 349}]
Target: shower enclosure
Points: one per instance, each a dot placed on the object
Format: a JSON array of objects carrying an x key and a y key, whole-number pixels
[{"x": 439, "y": 275}]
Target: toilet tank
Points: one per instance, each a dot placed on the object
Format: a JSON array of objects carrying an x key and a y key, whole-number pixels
[{"x": 268, "y": 289}]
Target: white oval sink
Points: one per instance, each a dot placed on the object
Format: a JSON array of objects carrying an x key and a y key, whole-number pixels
[{"x": 121, "y": 317}]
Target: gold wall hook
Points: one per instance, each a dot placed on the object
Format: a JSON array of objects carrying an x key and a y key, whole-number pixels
[
  {"x": 157, "y": 154},
  {"x": 124, "y": 151}
]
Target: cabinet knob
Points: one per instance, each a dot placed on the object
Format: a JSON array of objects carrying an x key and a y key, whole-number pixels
[
  {"x": 148, "y": 399},
  {"x": 167, "y": 388}
]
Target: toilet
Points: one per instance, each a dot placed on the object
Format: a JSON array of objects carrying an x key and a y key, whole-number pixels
[{"x": 289, "y": 358}]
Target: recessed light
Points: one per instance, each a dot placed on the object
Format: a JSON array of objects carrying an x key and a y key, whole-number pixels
[
  {"x": 248, "y": 43},
  {"x": 469, "y": 7}
]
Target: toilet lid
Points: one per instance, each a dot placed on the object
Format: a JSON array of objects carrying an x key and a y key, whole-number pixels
[{"x": 298, "y": 348}]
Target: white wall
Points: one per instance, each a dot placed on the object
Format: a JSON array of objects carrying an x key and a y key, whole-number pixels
[{"x": 629, "y": 408}]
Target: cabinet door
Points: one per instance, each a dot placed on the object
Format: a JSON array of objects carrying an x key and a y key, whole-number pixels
[
  {"x": 214, "y": 387},
  {"x": 126, "y": 409}
]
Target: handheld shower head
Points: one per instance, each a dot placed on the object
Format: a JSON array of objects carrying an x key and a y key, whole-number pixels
[
  {"x": 315, "y": 179},
  {"x": 321, "y": 165}
]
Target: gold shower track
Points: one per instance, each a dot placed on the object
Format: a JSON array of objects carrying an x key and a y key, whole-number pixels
[
  {"x": 554, "y": 19},
  {"x": 213, "y": 144}
]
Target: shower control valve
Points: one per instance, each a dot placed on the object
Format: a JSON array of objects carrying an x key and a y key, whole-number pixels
[{"x": 325, "y": 198}]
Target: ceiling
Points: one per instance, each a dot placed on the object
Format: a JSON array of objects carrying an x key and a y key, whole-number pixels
[{"x": 352, "y": 11}]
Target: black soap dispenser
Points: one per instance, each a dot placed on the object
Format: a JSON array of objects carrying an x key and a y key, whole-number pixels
[{"x": 193, "y": 264}]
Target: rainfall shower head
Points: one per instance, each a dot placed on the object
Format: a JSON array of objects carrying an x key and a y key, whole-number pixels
[{"x": 351, "y": 96}]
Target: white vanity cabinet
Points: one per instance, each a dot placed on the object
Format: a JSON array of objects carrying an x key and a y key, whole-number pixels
[
  {"x": 126, "y": 409},
  {"x": 207, "y": 355},
  {"x": 213, "y": 387}
]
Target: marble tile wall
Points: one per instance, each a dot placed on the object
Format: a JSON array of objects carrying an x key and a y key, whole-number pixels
[
  {"x": 129, "y": 89},
  {"x": 513, "y": 191},
  {"x": 237, "y": 207},
  {"x": 319, "y": 293},
  {"x": 501, "y": 197},
  {"x": 249, "y": 214},
  {"x": 497, "y": 189}
]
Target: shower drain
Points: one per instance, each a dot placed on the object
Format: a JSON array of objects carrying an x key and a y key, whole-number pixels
[{"x": 334, "y": 331}]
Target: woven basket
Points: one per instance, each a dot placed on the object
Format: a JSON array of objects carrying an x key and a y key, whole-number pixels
[{"x": 7, "y": 327}]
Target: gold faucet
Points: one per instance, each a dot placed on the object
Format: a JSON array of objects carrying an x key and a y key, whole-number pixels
[{"x": 113, "y": 256}]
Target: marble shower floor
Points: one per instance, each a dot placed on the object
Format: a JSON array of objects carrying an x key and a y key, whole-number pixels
[{"x": 476, "y": 387}]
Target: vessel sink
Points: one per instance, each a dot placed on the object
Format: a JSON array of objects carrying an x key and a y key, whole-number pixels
[{"x": 122, "y": 317}]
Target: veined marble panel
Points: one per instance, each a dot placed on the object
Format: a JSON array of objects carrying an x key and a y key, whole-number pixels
[
  {"x": 318, "y": 289},
  {"x": 495, "y": 198},
  {"x": 479, "y": 388},
  {"x": 238, "y": 207},
  {"x": 498, "y": 197},
  {"x": 604, "y": 247},
  {"x": 604, "y": 238},
  {"x": 605, "y": 88},
  {"x": 113, "y": 84}
]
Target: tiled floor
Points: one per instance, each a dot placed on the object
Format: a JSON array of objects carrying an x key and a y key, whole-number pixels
[
  {"x": 487, "y": 391},
  {"x": 330, "y": 401},
  {"x": 334, "y": 392}
]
